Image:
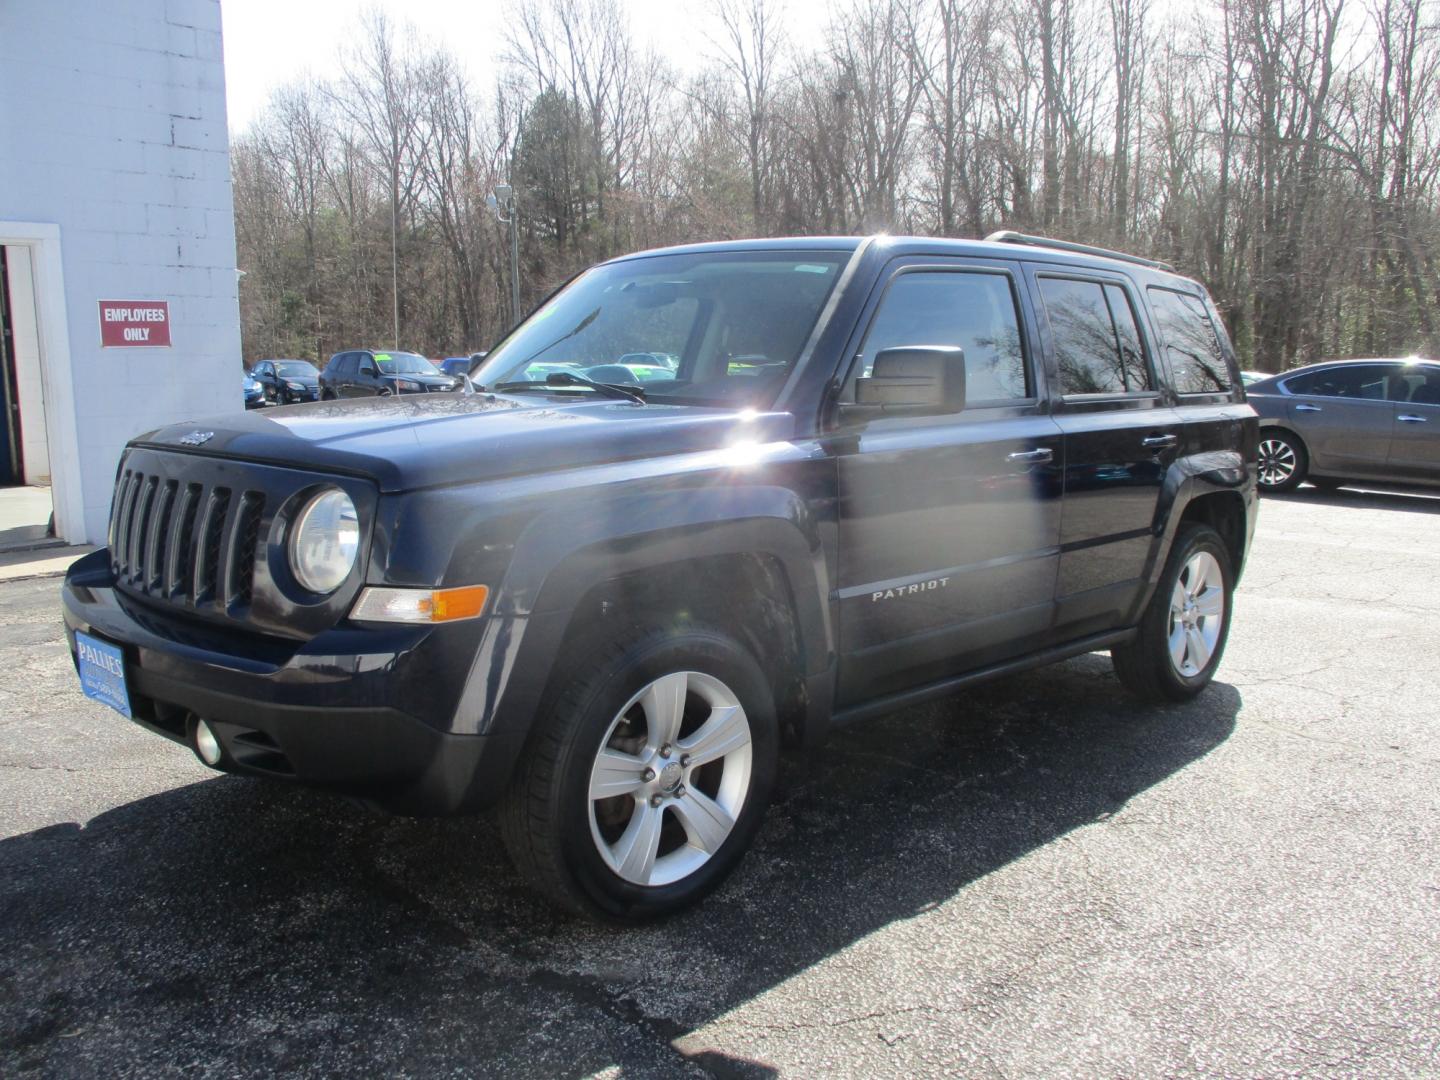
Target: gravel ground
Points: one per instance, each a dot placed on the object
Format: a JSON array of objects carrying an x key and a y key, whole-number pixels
[{"x": 1037, "y": 879}]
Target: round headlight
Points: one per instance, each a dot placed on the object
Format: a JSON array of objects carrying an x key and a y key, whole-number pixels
[{"x": 325, "y": 542}]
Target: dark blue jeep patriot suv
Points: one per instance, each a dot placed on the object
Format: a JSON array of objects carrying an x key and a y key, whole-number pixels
[{"x": 869, "y": 472}]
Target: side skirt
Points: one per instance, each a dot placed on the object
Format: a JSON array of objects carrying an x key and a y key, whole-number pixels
[{"x": 866, "y": 710}]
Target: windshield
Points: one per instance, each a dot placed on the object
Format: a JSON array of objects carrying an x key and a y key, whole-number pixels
[
  {"x": 296, "y": 369},
  {"x": 404, "y": 363},
  {"x": 708, "y": 329}
]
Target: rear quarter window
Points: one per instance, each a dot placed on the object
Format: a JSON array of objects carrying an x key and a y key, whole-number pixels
[{"x": 1192, "y": 344}]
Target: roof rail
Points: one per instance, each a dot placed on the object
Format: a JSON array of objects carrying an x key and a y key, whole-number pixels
[{"x": 1009, "y": 236}]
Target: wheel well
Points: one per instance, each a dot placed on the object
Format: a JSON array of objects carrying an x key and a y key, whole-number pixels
[
  {"x": 1287, "y": 431},
  {"x": 748, "y": 596},
  {"x": 1223, "y": 511}
]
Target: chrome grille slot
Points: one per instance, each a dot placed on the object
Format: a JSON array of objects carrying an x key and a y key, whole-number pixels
[
  {"x": 179, "y": 554},
  {"x": 158, "y": 535},
  {"x": 207, "y": 553},
  {"x": 139, "y": 522},
  {"x": 119, "y": 519},
  {"x": 241, "y": 566}
]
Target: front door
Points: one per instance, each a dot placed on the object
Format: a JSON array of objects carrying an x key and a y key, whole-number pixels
[
  {"x": 1345, "y": 417},
  {"x": 948, "y": 525}
]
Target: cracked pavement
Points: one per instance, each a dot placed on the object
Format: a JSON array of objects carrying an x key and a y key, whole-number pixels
[{"x": 1038, "y": 878}]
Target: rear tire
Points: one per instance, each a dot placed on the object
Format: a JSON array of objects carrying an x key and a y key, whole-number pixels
[
  {"x": 647, "y": 774},
  {"x": 1283, "y": 461},
  {"x": 1182, "y": 634}
]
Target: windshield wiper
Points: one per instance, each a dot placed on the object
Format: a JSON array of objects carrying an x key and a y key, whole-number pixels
[
  {"x": 581, "y": 325},
  {"x": 567, "y": 378}
]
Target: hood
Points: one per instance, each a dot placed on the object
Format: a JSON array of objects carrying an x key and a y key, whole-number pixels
[
  {"x": 303, "y": 380},
  {"x": 426, "y": 440}
]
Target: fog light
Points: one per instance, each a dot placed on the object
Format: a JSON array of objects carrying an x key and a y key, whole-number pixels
[{"x": 206, "y": 744}]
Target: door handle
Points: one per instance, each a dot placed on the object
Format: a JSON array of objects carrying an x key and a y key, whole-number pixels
[
  {"x": 1031, "y": 457},
  {"x": 1410, "y": 418},
  {"x": 1306, "y": 407},
  {"x": 1159, "y": 442}
]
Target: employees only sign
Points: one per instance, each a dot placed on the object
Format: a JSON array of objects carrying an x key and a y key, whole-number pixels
[{"x": 134, "y": 323}]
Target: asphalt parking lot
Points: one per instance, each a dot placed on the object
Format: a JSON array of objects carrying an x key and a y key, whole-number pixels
[{"x": 1038, "y": 879}]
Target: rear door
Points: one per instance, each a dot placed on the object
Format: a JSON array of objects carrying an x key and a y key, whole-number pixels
[
  {"x": 1415, "y": 437},
  {"x": 948, "y": 525},
  {"x": 1121, "y": 434},
  {"x": 1344, "y": 415}
]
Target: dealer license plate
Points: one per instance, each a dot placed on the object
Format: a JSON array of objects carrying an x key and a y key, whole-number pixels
[{"x": 102, "y": 672}]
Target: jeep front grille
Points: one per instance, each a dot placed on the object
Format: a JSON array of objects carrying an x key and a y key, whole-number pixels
[{"x": 184, "y": 543}]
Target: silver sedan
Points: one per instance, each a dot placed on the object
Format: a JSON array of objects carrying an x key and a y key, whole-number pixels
[{"x": 1349, "y": 420}]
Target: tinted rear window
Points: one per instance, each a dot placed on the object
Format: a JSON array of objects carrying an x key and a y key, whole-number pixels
[
  {"x": 1363, "y": 381},
  {"x": 1197, "y": 359}
]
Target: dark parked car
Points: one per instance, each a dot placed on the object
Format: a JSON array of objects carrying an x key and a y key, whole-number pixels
[
  {"x": 603, "y": 609},
  {"x": 287, "y": 381},
  {"x": 254, "y": 392},
  {"x": 1350, "y": 420},
  {"x": 377, "y": 373}
]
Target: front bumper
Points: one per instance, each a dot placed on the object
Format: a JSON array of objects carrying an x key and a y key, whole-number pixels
[{"x": 366, "y": 712}]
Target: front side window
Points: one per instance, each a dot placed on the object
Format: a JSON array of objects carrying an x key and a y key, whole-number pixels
[
  {"x": 716, "y": 328},
  {"x": 1197, "y": 360},
  {"x": 975, "y": 310},
  {"x": 1096, "y": 339},
  {"x": 1362, "y": 382}
]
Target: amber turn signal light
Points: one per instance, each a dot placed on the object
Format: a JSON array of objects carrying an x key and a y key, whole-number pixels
[{"x": 383, "y": 604}]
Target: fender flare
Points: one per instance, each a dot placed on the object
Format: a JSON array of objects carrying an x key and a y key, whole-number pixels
[
  {"x": 561, "y": 555},
  {"x": 1187, "y": 479}
]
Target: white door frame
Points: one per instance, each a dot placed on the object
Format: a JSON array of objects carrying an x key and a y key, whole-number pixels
[{"x": 56, "y": 375}]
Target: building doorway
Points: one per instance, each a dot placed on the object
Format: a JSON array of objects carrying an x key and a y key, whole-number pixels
[
  {"x": 12, "y": 466},
  {"x": 26, "y": 509}
]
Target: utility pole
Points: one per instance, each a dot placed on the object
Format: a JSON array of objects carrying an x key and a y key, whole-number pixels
[{"x": 502, "y": 204}]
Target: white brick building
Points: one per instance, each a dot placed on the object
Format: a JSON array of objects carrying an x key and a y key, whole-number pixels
[{"x": 114, "y": 185}]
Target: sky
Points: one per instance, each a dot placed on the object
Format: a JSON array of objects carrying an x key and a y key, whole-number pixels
[{"x": 269, "y": 43}]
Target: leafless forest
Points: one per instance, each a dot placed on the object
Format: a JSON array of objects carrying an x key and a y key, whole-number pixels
[{"x": 1283, "y": 151}]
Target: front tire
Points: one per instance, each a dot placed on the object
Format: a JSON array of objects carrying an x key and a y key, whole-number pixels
[
  {"x": 1283, "y": 461},
  {"x": 647, "y": 776},
  {"x": 1182, "y": 634}
]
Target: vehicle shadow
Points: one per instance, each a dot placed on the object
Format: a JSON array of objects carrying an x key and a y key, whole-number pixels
[
  {"x": 1365, "y": 497},
  {"x": 236, "y": 926}
]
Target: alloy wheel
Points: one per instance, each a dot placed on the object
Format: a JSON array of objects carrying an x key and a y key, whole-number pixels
[
  {"x": 1277, "y": 462},
  {"x": 670, "y": 778},
  {"x": 1197, "y": 614}
]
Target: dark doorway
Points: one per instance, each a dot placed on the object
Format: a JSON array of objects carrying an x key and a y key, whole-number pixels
[{"x": 12, "y": 468}]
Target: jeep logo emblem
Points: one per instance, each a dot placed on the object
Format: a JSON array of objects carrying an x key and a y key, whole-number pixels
[{"x": 197, "y": 438}]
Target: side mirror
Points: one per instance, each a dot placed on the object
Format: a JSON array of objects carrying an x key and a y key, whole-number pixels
[
  {"x": 368, "y": 369},
  {"x": 915, "y": 380}
]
